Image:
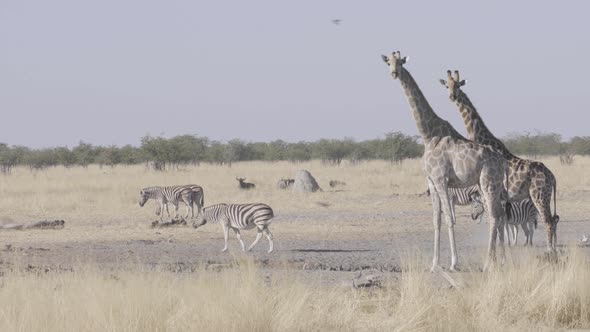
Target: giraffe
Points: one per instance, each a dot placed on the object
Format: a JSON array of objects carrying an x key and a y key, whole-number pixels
[
  {"x": 451, "y": 160},
  {"x": 526, "y": 178}
]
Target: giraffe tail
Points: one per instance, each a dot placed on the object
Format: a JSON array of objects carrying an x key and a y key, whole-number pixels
[{"x": 555, "y": 216}]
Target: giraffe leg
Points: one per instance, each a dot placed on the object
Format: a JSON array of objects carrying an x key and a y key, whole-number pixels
[
  {"x": 258, "y": 236},
  {"x": 449, "y": 213},
  {"x": 545, "y": 218},
  {"x": 515, "y": 238},
  {"x": 239, "y": 236},
  {"x": 508, "y": 231},
  {"x": 436, "y": 216},
  {"x": 525, "y": 229},
  {"x": 493, "y": 193},
  {"x": 493, "y": 230},
  {"x": 501, "y": 226}
]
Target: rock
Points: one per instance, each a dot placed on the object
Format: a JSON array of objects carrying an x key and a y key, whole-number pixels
[{"x": 305, "y": 182}]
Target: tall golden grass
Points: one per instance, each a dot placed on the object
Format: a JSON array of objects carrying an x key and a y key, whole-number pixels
[{"x": 524, "y": 294}]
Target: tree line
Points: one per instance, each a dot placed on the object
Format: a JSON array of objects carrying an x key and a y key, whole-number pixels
[{"x": 164, "y": 153}]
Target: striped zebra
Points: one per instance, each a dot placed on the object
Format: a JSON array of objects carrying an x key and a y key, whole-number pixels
[
  {"x": 523, "y": 213},
  {"x": 462, "y": 196},
  {"x": 198, "y": 197},
  {"x": 174, "y": 195},
  {"x": 239, "y": 216}
]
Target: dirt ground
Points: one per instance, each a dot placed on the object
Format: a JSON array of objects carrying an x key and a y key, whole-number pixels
[{"x": 324, "y": 243}]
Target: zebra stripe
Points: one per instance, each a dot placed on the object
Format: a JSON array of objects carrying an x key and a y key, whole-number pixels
[
  {"x": 523, "y": 213},
  {"x": 198, "y": 197},
  {"x": 165, "y": 195},
  {"x": 240, "y": 216},
  {"x": 461, "y": 196}
]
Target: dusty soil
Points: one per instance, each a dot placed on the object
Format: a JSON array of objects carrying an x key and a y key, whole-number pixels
[{"x": 324, "y": 245}]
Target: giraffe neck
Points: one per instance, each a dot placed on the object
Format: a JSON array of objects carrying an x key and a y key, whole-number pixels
[
  {"x": 429, "y": 124},
  {"x": 476, "y": 129}
]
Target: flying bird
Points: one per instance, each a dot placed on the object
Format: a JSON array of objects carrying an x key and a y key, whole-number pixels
[
  {"x": 584, "y": 238},
  {"x": 336, "y": 21}
]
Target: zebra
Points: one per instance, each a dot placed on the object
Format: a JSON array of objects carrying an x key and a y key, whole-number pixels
[
  {"x": 245, "y": 185},
  {"x": 239, "y": 216},
  {"x": 462, "y": 196},
  {"x": 523, "y": 213},
  {"x": 169, "y": 194},
  {"x": 198, "y": 197},
  {"x": 285, "y": 183}
]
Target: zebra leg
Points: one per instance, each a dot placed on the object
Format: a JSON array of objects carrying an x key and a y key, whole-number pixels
[
  {"x": 175, "y": 210},
  {"x": 525, "y": 229},
  {"x": 189, "y": 207},
  {"x": 258, "y": 236},
  {"x": 531, "y": 232},
  {"x": 167, "y": 210},
  {"x": 162, "y": 207},
  {"x": 507, "y": 232},
  {"x": 239, "y": 236},
  {"x": 225, "y": 236},
  {"x": 268, "y": 234},
  {"x": 515, "y": 234}
]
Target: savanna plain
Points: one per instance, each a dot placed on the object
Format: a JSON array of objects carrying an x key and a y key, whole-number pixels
[{"x": 109, "y": 270}]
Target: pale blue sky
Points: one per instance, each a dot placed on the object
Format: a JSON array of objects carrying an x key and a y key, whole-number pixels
[{"x": 111, "y": 71}]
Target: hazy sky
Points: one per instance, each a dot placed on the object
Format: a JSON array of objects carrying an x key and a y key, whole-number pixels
[{"x": 111, "y": 71}]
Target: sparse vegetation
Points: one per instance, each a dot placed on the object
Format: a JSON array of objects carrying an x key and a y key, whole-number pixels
[{"x": 162, "y": 153}]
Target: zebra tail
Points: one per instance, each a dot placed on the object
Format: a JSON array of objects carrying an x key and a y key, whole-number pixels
[{"x": 202, "y": 199}]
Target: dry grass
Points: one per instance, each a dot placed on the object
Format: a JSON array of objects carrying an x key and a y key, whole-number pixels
[
  {"x": 83, "y": 194},
  {"x": 101, "y": 204},
  {"x": 526, "y": 294},
  {"x": 86, "y": 194}
]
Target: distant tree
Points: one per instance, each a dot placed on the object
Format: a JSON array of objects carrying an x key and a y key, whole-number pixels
[
  {"x": 109, "y": 156},
  {"x": 8, "y": 158},
  {"x": 85, "y": 154},
  {"x": 534, "y": 144},
  {"x": 65, "y": 157},
  {"x": 300, "y": 151},
  {"x": 333, "y": 150},
  {"x": 580, "y": 145}
]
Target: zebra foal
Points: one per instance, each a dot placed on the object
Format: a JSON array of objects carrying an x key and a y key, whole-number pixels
[{"x": 237, "y": 217}]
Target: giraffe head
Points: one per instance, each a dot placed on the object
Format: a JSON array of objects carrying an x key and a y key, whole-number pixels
[
  {"x": 453, "y": 84},
  {"x": 395, "y": 62}
]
